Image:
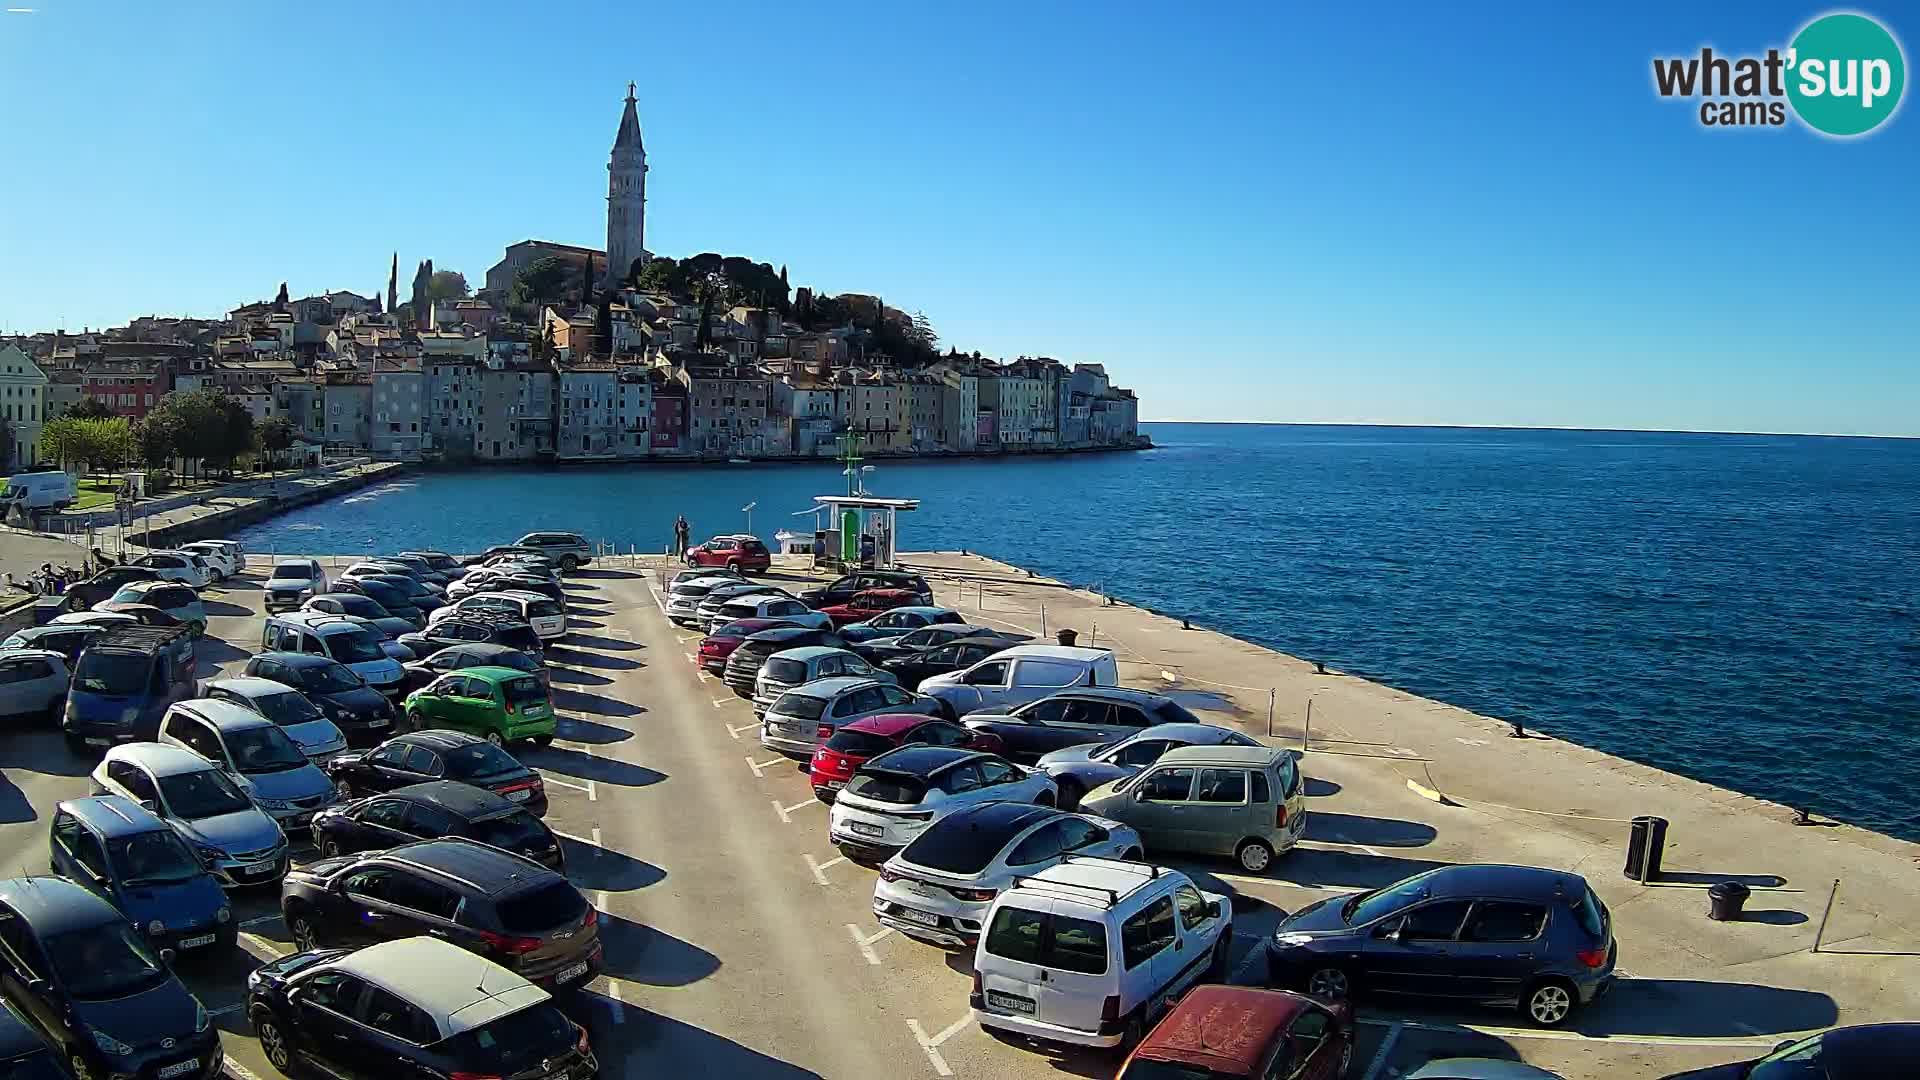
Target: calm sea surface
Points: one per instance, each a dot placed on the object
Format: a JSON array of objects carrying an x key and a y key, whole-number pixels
[{"x": 1741, "y": 609}]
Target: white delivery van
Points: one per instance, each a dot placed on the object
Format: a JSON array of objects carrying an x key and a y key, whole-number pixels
[
  {"x": 50, "y": 490},
  {"x": 1021, "y": 674}
]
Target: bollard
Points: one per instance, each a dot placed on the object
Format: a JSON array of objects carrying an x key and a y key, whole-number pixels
[
  {"x": 1822, "y": 931},
  {"x": 1043, "y": 620},
  {"x": 1095, "y": 636},
  {"x": 1271, "y": 699},
  {"x": 1307, "y": 730}
]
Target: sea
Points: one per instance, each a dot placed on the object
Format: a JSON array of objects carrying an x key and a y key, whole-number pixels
[{"x": 1741, "y": 609}]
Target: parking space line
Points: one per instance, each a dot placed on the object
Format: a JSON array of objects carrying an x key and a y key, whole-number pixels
[
  {"x": 259, "y": 921},
  {"x": 735, "y": 731},
  {"x": 592, "y": 795},
  {"x": 786, "y": 812},
  {"x": 719, "y": 701},
  {"x": 760, "y": 767},
  {"x": 239, "y": 1071},
  {"x": 689, "y": 657},
  {"x": 263, "y": 949},
  {"x": 1381, "y": 1056},
  {"x": 820, "y": 868},
  {"x": 613, "y": 984},
  {"x": 932, "y": 1046},
  {"x": 225, "y": 1010},
  {"x": 865, "y": 944}
]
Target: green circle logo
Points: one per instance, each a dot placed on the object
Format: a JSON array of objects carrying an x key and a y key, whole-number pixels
[{"x": 1845, "y": 74}]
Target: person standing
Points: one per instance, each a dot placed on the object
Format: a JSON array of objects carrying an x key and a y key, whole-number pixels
[{"x": 682, "y": 533}]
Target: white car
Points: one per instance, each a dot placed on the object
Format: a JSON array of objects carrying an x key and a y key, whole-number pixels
[
  {"x": 1091, "y": 952},
  {"x": 181, "y": 566},
  {"x": 770, "y": 606},
  {"x": 940, "y": 887},
  {"x": 1022, "y": 673},
  {"x": 686, "y": 596},
  {"x": 893, "y": 798},
  {"x": 221, "y": 561},
  {"x": 33, "y": 682},
  {"x": 544, "y": 614},
  {"x": 292, "y": 581}
]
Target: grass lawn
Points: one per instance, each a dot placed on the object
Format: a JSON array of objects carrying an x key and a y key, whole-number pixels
[{"x": 92, "y": 493}]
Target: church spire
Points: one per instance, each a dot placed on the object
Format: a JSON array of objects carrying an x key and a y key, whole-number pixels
[
  {"x": 629, "y": 137},
  {"x": 626, "y": 198}
]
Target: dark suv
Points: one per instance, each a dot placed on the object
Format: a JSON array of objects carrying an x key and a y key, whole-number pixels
[
  {"x": 426, "y": 756},
  {"x": 363, "y": 714},
  {"x": 437, "y": 808},
  {"x": 743, "y": 664},
  {"x": 475, "y": 625},
  {"x": 524, "y": 917},
  {"x": 1492, "y": 934},
  {"x": 845, "y": 588}
]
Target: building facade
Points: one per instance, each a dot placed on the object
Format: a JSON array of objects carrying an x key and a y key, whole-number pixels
[{"x": 23, "y": 401}]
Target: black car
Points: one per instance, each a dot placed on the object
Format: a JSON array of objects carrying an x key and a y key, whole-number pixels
[
  {"x": 1077, "y": 717},
  {"x": 395, "y": 600},
  {"x": 363, "y": 607},
  {"x": 498, "y": 550},
  {"x": 415, "y": 1007},
  {"x": 1867, "y": 1052},
  {"x": 965, "y": 652},
  {"x": 743, "y": 665},
  {"x": 363, "y": 714},
  {"x": 84, "y": 594},
  {"x": 424, "y": 600},
  {"x": 419, "y": 673},
  {"x": 440, "y": 563},
  {"x": 878, "y": 650},
  {"x": 526, "y": 918},
  {"x": 421, "y": 568},
  {"x": 90, "y": 982},
  {"x": 1502, "y": 935},
  {"x": 24, "y": 1055},
  {"x": 425, "y": 756},
  {"x": 475, "y": 626},
  {"x": 439, "y": 808},
  {"x": 842, "y": 589}
]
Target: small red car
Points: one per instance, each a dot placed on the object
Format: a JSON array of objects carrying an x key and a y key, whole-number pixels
[
  {"x": 717, "y": 646},
  {"x": 747, "y": 554},
  {"x": 865, "y": 605},
  {"x": 1230, "y": 1032},
  {"x": 850, "y": 746}
]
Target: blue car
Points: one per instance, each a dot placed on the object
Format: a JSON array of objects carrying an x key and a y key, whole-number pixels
[
  {"x": 113, "y": 847},
  {"x": 124, "y": 682}
]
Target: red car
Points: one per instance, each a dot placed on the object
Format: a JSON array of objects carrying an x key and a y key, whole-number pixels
[
  {"x": 717, "y": 646},
  {"x": 851, "y": 746},
  {"x": 1230, "y": 1032},
  {"x": 747, "y": 554},
  {"x": 865, "y": 605}
]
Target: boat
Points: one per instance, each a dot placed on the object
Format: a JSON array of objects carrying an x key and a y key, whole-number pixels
[{"x": 738, "y": 461}]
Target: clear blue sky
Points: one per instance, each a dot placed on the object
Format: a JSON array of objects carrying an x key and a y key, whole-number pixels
[{"x": 1356, "y": 213}]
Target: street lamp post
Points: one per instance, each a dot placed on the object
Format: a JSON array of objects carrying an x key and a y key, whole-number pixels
[{"x": 748, "y": 510}]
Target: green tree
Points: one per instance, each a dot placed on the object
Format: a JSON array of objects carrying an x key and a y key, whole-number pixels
[
  {"x": 275, "y": 436},
  {"x": 542, "y": 281},
  {"x": 153, "y": 440},
  {"x": 56, "y": 440},
  {"x": 89, "y": 408},
  {"x": 200, "y": 421},
  {"x": 448, "y": 285}
]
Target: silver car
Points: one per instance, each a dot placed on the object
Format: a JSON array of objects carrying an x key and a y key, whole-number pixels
[
  {"x": 1077, "y": 770},
  {"x": 802, "y": 719},
  {"x": 240, "y": 844},
  {"x": 707, "y": 614},
  {"x": 310, "y": 730},
  {"x": 177, "y": 600},
  {"x": 786, "y": 670},
  {"x": 686, "y": 595},
  {"x": 257, "y": 754},
  {"x": 33, "y": 682},
  {"x": 292, "y": 581}
]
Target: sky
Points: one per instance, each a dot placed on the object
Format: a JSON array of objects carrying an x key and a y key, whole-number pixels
[{"x": 1337, "y": 213}]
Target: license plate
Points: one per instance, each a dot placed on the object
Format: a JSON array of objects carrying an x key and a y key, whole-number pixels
[
  {"x": 99, "y": 742},
  {"x": 569, "y": 974},
  {"x": 836, "y": 785},
  {"x": 519, "y": 796},
  {"x": 256, "y": 867},
  {"x": 922, "y": 917},
  {"x": 1009, "y": 1002},
  {"x": 379, "y": 722},
  {"x": 792, "y": 729},
  {"x": 180, "y": 1069},
  {"x": 865, "y": 829},
  {"x": 196, "y": 942}
]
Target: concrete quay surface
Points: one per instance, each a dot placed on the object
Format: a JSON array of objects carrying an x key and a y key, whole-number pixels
[{"x": 739, "y": 944}]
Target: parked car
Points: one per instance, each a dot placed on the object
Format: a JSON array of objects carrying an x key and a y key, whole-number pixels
[
  {"x": 27, "y": 1056},
  {"x": 420, "y": 568},
  {"x": 181, "y": 566},
  {"x": 1863, "y": 1052},
  {"x": 1481, "y": 1069},
  {"x": 747, "y": 554},
  {"x": 256, "y": 754},
  {"x": 33, "y": 682},
  {"x": 708, "y": 611},
  {"x": 422, "y": 757},
  {"x": 570, "y": 550},
  {"x": 1238, "y": 1031},
  {"x": 684, "y": 597},
  {"x": 1021, "y": 674},
  {"x": 546, "y": 615},
  {"x": 317, "y": 737},
  {"x": 1080, "y": 716},
  {"x": 125, "y": 681},
  {"x": 790, "y": 669},
  {"x": 84, "y": 594},
  {"x": 146, "y": 615},
  {"x": 234, "y": 838},
  {"x": 415, "y": 1006},
  {"x": 95, "y": 618},
  {"x": 866, "y": 605},
  {"x": 723, "y": 639},
  {"x": 769, "y": 605},
  {"x": 435, "y": 809},
  {"x": 853, "y": 745},
  {"x": 894, "y": 797},
  {"x": 231, "y": 550},
  {"x": 1077, "y": 770},
  {"x": 395, "y": 600},
  {"x": 337, "y": 638},
  {"x": 801, "y": 719},
  {"x": 898, "y": 620},
  {"x": 473, "y": 626},
  {"x": 180, "y": 601},
  {"x": 686, "y": 575},
  {"x": 414, "y": 578},
  {"x": 939, "y": 887},
  {"x": 498, "y": 550},
  {"x": 878, "y": 650},
  {"x": 508, "y": 580},
  {"x": 844, "y": 588},
  {"x": 498, "y": 704},
  {"x": 1087, "y": 952},
  {"x": 441, "y": 563},
  {"x": 292, "y": 581},
  {"x": 92, "y": 985},
  {"x": 1502, "y": 935},
  {"x": 1245, "y": 801},
  {"x": 363, "y": 714},
  {"x": 219, "y": 561},
  {"x": 914, "y": 669},
  {"x": 476, "y": 654},
  {"x": 421, "y": 596},
  {"x": 67, "y": 640},
  {"x": 361, "y": 607},
  {"x": 119, "y": 851},
  {"x": 743, "y": 666}
]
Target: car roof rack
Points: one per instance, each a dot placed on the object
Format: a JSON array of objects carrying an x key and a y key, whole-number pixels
[
  {"x": 1150, "y": 870},
  {"x": 1111, "y": 896}
]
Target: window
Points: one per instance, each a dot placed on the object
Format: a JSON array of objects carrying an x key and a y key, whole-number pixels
[
  {"x": 1142, "y": 753},
  {"x": 422, "y": 760},
  {"x": 1168, "y": 785},
  {"x": 1147, "y": 932},
  {"x": 1221, "y": 786},
  {"x": 386, "y": 1013},
  {"x": 86, "y": 851},
  {"x": 1504, "y": 920},
  {"x": 1437, "y": 921},
  {"x": 1045, "y": 711},
  {"x": 393, "y": 755},
  {"x": 1193, "y": 906},
  {"x": 388, "y": 813},
  {"x": 1041, "y": 844},
  {"x": 993, "y": 674},
  {"x": 335, "y": 990},
  {"x": 995, "y": 771},
  {"x": 1262, "y": 791},
  {"x": 963, "y": 778}
]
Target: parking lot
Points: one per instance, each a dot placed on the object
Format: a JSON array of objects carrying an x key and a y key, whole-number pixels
[{"x": 739, "y": 943}]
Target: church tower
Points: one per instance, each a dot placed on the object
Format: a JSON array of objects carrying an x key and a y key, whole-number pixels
[{"x": 626, "y": 197}]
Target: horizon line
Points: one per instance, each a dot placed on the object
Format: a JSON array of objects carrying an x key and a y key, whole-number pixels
[{"x": 1536, "y": 427}]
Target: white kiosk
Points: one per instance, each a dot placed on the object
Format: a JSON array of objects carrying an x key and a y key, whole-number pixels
[{"x": 862, "y": 530}]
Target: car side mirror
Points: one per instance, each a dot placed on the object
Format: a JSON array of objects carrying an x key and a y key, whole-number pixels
[
  {"x": 150, "y": 806},
  {"x": 1213, "y": 909},
  {"x": 1389, "y": 932},
  {"x": 37, "y": 986},
  {"x": 1140, "y": 794}
]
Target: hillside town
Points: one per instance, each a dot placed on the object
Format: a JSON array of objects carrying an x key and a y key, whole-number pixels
[{"x": 573, "y": 354}]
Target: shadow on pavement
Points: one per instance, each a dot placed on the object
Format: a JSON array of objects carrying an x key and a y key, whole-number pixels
[
  {"x": 578, "y": 678},
  {"x": 587, "y": 767},
  {"x": 598, "y": 704},
  {"x": 642, "y": 954},
  {"x": 574, "y": 621},
  {"x": 1686, "y": 877},
  {"x": 592, "y": 867},
  {"x": 1318, "y": 788},
  {"x": 44, "y": 752},
  {"x": 604, "y": 575},
  {"x": 1774, "y": 917},
  {"x": 1332, "y": 828},
  {"x": 643, "y": 1043},
  {"x": 1346, "y": 870},
  {"x": 574, "y": 729},
  {"x": 560, "y": 654},
  {"x": 212, "y": 650},
  {"x": 220, "y": 607},
  {"x": 15, "y": 809},
  {"x": 1697, "y": 1008},
  {"x": 595, "y": 641},
  {"x": 1205, "y": 700}
]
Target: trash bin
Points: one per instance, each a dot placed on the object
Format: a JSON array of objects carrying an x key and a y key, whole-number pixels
[
  {"x": 1645, "y": 843},
  {"x": 1066, "y": 637},
  {"x": 1727, "y": 898}
]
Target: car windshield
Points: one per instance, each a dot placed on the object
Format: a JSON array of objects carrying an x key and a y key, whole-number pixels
[
  {"x": 520, "y": 636},
  {"x": 802, "y": 706},
  {"x": 518, "y": 831},
  {"x": 544, "y": 609},
  {"x": 201, "y": 794},
  {"x": 128, "y": 595},
  {"x": 525, "y": 692},
  {"x": 152, "y": 858},
  {"x": 1383, "y": 902},
  {"x": 286, "y": 708},
  {"x": 263, "y": 750},
  {"x": 118, "y": 673},
  {"x": 512, "y": 1043},
  {"x": 103, "y": 962},
  {"x": 293, "y": 570},
  {"x": 328, "y": 678},
  {"x": 385, "y": 595},
  {"x": 1801, "y": 1061},
  {"x": 480, "y": 759},
  {"x": 355, "y": 646},
  {"x": 786, "y": 671},
  {"x": 888, "y": 788},
  {"x": 737, "y": 628}
]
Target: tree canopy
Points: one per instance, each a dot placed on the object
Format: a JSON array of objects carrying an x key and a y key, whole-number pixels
[
  {"x": 89, "y": 408},
  {"x": 542, "y": 281},
  {"x": 448, "y": 285},
  {"x": 90, "y": 442},
  {"x": 208, "y": 425}
]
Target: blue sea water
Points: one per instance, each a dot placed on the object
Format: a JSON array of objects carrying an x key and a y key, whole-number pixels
[{"x": 1740, "y": 609}]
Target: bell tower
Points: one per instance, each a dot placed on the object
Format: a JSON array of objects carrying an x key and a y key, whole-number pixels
[{"x": 626, "y": 197}]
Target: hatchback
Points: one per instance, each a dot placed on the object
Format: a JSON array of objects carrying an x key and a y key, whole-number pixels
[
  {"x": 763, "y": 605},
  {"x": 475, "y": 654},
  {"x": 726, "y": 637},
  {"x": 33, "y": 682},
  {"x": 68, "y": 641},
  {"x": 291, "y": 581},
  {"x": 1244, "y": 801},
  {"x": 1228, "y": 1032},
  {"x": 182, "y": 566},
  {"x": 116, "y": 849},
  {"x": 747, "y": 554},
  {"x": 1866, "y": 1052},
  {"x": 85, "y": 594},
  {"x": 800, "y": 720},
  {"x": 866, "y": 605},
  {"x": 221, "y": 563},
  {"x": 440, "y": 562},
  {"x": 396, "y": 601},
  {"x": 360, "y": 607},
  {"x": 1502, "y": 935},
  {"x": 421, "y": 568},
  {"x": 1079, "y": 769},
  {"x": 337, "y": 637},
  {"x": 498, "y": 704},
  {"x": 939, "y": 887},
  {"x": 425, "y": 756},
  {"x": 440, "y": 808},
  {"x": 93, "y": 985},
  {"x": 475, "y": 626},
  {"x": 887, "y": 647},
  {"x": 316, "y": 736},
  {"x": 1077, "y": 717},
  {"x": 852, "y": 745},
  {"x": 893, "y": 798},
  {"x": 362, "y": 713},
  {"x": 177, "y": 600},
  {"x": 233, "y": 837},
  {"x": 915, "y": 668},
  {"x": 685, "y": 595},
  {"x": 743, "y": 667},
  {"x": 255, "y": 753},
  {"x": 790, "y": 669},
  {"x": 547, "y": 617},
  {"x": 422, "y": 596},
  {"x": 707, "y": 612},
  {"x": 417, "y": 1006},
  {"x": 896, "y": 621},
  {"x": 845, "y": 587}
]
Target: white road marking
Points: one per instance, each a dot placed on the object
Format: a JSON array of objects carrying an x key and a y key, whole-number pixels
[
  {"x": 702, "y": 672},
  {"x": 760, "y": 767},
  {"x": 719, "y": 701},
  {"x": 225, "y": 1010},
  {"x": 786, "y": 812},
  {"x": 239, "y": 1071},
  {"x": 865, "y": 944},
  {"x": 613, "y": 984},
  {"x": 690, "y": 658},
  {"x": 932, "y": 1046},
  {"x": 551, "y": 779},
  {"x": 1381, "y": 1055},
  {"x": 264, "y": 950},
  {"x": 820, "y": 868},
  {"x": 735, "y": 731},
  {"x": 260, "y": 921},
  {"x": 1338, "y": 839}
]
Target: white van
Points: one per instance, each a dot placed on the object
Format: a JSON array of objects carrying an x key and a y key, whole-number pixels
[
  {"x": 1092, "y": 951},
  {"x": 340, "y": 638},
  {"x": 1021, "y": 674},
  {"x": 50, "y": 490}
]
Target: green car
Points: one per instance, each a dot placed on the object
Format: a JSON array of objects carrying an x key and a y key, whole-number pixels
[{"x": 499, "y": 704}]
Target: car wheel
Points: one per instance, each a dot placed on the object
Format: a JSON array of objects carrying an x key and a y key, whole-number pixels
[
  {"x": 543, "y": 741},
  {"x": 329, "y": 848},
  {"x": 733, "y": 565},
  {"x": 1329, "y": 984},
  {"x": 56, "y": 707},
  {"x": 1135, "y": 1031},
  {"x": 301, "y": 929},
  {"x": 496, "y": 739},
  {"x": 273, "y": 1043},
  {"x": 1550, "y": 1003},
  {"x": 1254, "y": 856},
  {"x": 411, "y": 719},
  {"x": 1069, "y": 793},
  {"x": 568, "y": 564}
]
